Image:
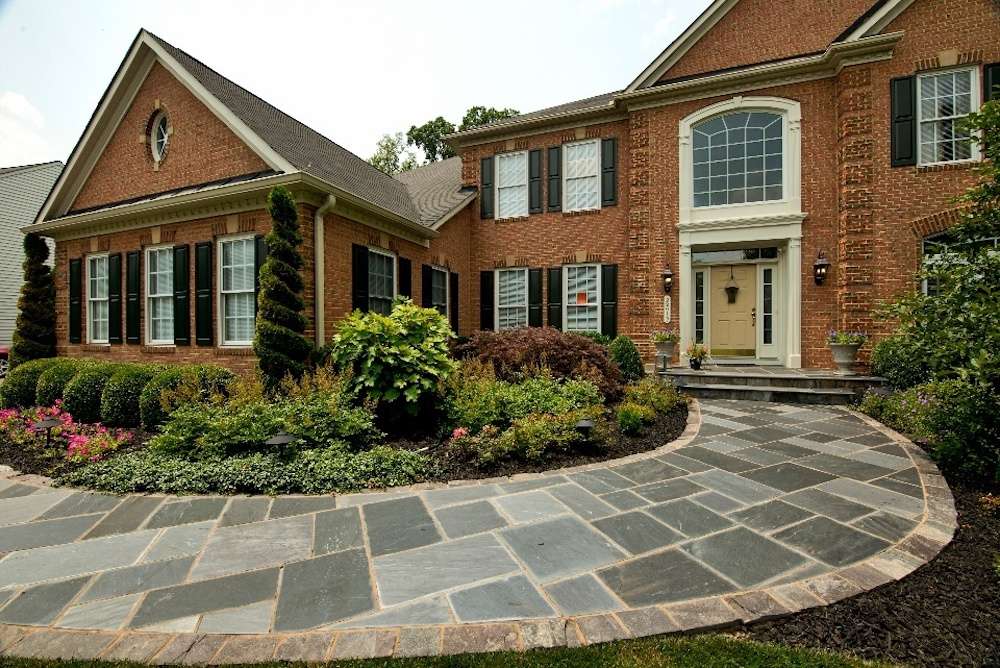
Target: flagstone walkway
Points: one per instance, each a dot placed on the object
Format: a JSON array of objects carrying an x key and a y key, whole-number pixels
[{"x": 760, "y": 510}]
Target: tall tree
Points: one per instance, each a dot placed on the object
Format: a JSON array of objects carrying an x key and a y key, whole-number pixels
[
  {"x": 279, "y": 344},
  {"x": 429, "y": 137},
  {"x": 477, "y": 116},
  {"x": 389, "y": 155},
  {"x": 35, "y": 329}
]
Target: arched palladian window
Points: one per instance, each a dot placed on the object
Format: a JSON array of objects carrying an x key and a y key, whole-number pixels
[{"x": 738, "y": 158}]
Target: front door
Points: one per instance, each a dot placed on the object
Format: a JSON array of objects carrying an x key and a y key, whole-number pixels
[{"x": 733, "y": 328}]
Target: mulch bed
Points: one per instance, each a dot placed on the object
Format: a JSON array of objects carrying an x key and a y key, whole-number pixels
[
  {"x": 947, "y": 613},
  {"x": 50, "y": 462}
]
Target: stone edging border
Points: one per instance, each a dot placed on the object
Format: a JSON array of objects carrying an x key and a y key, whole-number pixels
[{"x": 923, "y": 543}]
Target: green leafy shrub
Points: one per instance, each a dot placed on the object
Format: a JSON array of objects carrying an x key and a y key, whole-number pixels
[
  {"x": 519, "y": 352},
  {"x": 82, "y": 396},
  {"x": 52, "y": 382},
  {"x": 120, "y": 398},
  {"x": 898, "y": 360},
  {"x": 658, "y": 396},
  {"x": 598, "y": 338},
  {"x": 177, "y": 385},
  {"x": 475, "y": 398},
  {"x": 18, "y": 388},
  {"x": 624, "y": 354},
  {"x": 633, "y": 417},
  {"x": 400, "y": 358},
  {"x": 35, "y": 327}
]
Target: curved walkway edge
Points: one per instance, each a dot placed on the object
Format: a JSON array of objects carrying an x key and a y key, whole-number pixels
[{"x": 757, "y": 511}]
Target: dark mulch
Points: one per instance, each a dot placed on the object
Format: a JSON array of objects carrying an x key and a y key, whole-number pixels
[
  {"x": 50, "y": 461},
  {"x": 947, "y": 613}
]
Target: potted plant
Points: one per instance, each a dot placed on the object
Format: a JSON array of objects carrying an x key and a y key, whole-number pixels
[
  {"x": 664, "y": 342},
  {"x": 844, "y": 346},
  {"x": 696, "y": 355}
]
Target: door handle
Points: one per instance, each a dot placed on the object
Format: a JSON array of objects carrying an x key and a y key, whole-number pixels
[{"x": 753, "y": 317}]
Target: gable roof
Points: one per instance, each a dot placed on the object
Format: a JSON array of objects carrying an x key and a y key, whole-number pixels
[
  {"x": 6, "y": 171},
  {"x": 436, "y": 190}
]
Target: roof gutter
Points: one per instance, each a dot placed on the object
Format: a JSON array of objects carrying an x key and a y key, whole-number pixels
[{"x": 484, "y": 132}]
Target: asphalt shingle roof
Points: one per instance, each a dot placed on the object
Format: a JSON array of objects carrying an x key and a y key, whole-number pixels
[{"x": 436, "y": 189}]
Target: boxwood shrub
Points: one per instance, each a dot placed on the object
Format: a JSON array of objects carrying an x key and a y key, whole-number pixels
[
  {"x": 157, "y": 399},
  {"x": 52, "y": 383},
  {"x": 82, "y": 396},
  {"x": 120, "y": 398},
  {"x": 624, "y": 353},
  {"x": 18, "y": 388}
]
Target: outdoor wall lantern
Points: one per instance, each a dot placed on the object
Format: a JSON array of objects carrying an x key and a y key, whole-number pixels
[
  {"x": 820, "y": 268},
  {"x": 668, "y": 280},
  {"x": 732, "y": 287}
]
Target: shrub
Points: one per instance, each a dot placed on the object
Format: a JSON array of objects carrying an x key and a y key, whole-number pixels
[
  {"x": 120, "y": 398},
  {"x": 177, "y": 385},
  {"x": 518, "y": 352},
  {"x": 73, "y": 440},
  {"x": 633, "y": 417},
  {"x": 35, "y": 327},
  {"x": 82, "y": 396},
  {"x": 898, "y": 360},
  {"x": 279, "y": 343},
  {"x": 52, "y": 383},
  {"x": 400, "y": 358},
  {"x": 624, "y": 353},
  {"x": 18, "y": 388},
  {"x": 598, "y": 338},
  {"x": 651, "y": 393}
]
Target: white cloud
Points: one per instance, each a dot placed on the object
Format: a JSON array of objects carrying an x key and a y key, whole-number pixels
[{"x": 22, "y": 131}]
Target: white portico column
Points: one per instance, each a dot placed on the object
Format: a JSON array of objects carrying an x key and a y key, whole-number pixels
[
  {"x": 793, "y": 307},
  {"x": 686, "y": 309}
]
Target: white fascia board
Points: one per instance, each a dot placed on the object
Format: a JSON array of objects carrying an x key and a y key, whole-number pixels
[{"x": 878, "y": 21}]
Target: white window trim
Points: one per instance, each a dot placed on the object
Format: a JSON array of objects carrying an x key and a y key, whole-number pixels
[
  {"x": 447, "y": 288},
  {"x": 974, "y": 88},
  {"x": 565, "y": 297},
  {"x": 220, "y": 312},
  {"x": 90, "y": 300},
  {"x": 395, "y": 269},
  {"x": 565, "y": 173},
  {"x": 150, "y": 341},
  {"x": 496, "y": 185},
  {"x": 496, "y": 296},
  {"x": 786, "y": 210},
  {"x": 158, "y": 156}
]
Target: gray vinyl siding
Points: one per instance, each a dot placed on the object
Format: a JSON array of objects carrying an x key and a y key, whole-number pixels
[{"x": 22, "y": 192}]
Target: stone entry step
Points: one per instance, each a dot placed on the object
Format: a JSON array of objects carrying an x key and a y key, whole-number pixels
[{"x": 784, "y": 385}]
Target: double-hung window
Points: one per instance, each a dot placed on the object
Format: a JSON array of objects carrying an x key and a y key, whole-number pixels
[
  {"x": 97, "y": 299},
  {"x": 512, "y": 298},
  {"x": 439, "y": 290},
  {"x": 582, "y": 180},
  {"x": 160, "y": 296},
  {"x": 512, "y": 184},
  {"x": 945, "y": 99},
  {"x": 237, "y": 290},
  {"x": 381, "y": 281},
  {"x": 582, "y": 299}
]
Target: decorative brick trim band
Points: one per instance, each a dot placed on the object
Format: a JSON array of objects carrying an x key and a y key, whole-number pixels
[{"x": 937, "y": 222}]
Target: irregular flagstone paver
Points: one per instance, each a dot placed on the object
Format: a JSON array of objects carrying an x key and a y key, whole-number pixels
[{"x": 767, "y": 510}]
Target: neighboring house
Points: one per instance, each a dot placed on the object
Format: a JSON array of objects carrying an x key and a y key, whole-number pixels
[
  {"x": 768, "y": 138},
  {"x": 22, "y": 192}
]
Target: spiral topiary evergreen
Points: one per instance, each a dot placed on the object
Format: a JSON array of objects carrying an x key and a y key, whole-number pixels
[
  {"x": 279, "y": 344},
  {"x": 35, "y": 329}
]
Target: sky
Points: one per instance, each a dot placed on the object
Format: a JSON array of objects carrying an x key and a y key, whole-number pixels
[{"x": 352, "y": 70}]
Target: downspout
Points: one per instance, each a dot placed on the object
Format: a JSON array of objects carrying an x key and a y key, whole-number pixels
[{"x": 319, "y": 267}]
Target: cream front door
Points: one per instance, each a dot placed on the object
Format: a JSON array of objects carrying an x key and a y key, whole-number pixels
[{"x": 733, "y": 329}]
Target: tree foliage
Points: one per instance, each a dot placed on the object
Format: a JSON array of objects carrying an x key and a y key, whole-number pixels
[
  {"x": 35, "y": 330},
  {"x": 429, "y": 137},
  {"x": 476, "y": 116},
  {"x": 279, "y": 343},
  {"x": 389, "y": 155}
]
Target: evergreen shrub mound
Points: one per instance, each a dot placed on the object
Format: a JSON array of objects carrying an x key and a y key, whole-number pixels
[
  {"x": 177, "y": 385},
  {"x": 899, "y": 361},
  {"x": 82, "y": 396},
  {"x": 624, "y": 353},
  {"x": 633, "y": 417},
  {"x": 120, "y": 398},
  {"x": 519, "y": 352},
  {"x": 35, "y": 327},
  {"x": 52, "y": 383},
  {"x": 18, "y": 388}
]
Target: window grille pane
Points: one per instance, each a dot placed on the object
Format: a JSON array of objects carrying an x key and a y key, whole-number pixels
[
  {"x": 512, "y": 298},
  {"x": 945, "y": 99},
  {"x": 740, "y": 144},
  {"x": 439, "y": 290},
  {"x": 582, "y": 300},
  {"x": 512, "y": 185}
]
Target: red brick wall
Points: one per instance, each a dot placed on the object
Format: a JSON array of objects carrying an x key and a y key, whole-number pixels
[{"x": 201, "y": 149}]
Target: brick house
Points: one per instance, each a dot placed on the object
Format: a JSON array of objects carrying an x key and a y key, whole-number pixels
[{"x": 735, "y": 163}]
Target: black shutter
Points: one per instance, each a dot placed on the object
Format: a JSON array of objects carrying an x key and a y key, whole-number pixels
[
  {"x": 453, "y": 301},
  {"x": 259, "y": 257},
  {"x": 115, "y": 298},
  {"x": 535, "y": 181},
  {"x": 555, "y": 178},
  {"x": 904, "y": 121},
  {"x": 486, "y": 187},
  {"x": 132, "y": 283},
  {"x": 75, "y": 300},
  {"x": 534, "y": 298},
  {"x": 203, "y": 293},
  {"x": 486, "y": 300},
  {"x": 609, "y": 300},
  {"x": 991, "y": 79},
  {"x": 555, "y": 297},
  {"x": 404, "y": 285},
  {"x": 426, "y": 292},
  {"x": 182, "y": 300},
  {"x": 359, "y": 278},
  {"x": 609, "y": 172}
]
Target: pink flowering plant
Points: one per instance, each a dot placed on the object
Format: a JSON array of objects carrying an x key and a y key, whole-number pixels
[{"x": 78, "y": 441}]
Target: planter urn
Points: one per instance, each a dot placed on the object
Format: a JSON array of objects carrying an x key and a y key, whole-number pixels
[
  {"x": 845, "y": 355},
  {"x": 695, "y": 363},
  {"x": 664, "y": 353}
]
